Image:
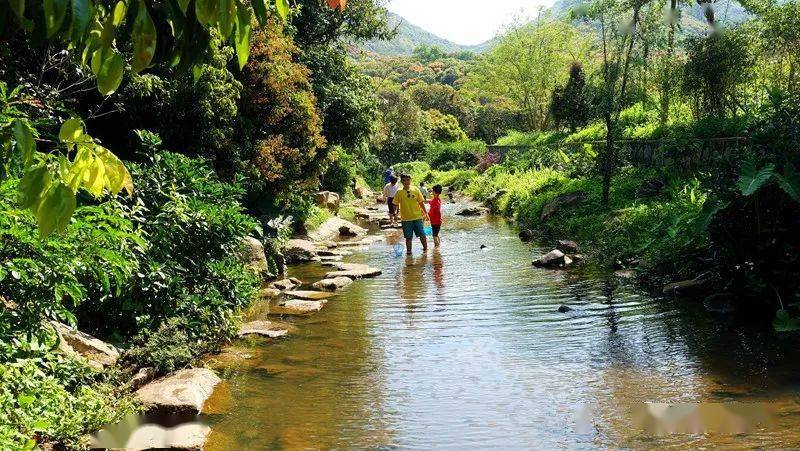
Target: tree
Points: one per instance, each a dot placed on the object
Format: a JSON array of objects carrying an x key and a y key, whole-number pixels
[
  {"x": 443, "y": 127},
  {"x": 280, "y": 114},
  {"x": 402, "y": 132},
  {"x": 317, "y": 24},
  {"x": 444, "y": 98},
  {"x": 717, "y": 67},
  {"x": 570, "y": 104},
  {"x": 527, "y": 64}
]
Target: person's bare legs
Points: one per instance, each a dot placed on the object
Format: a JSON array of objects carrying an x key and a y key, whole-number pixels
[
  {"x": 424, "y": 240},
  {"x": 408, "y": 245},
  {"x": 436, "y": 241}
]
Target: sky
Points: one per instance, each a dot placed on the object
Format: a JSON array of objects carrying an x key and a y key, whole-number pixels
[{"x": 466, "y": 22}]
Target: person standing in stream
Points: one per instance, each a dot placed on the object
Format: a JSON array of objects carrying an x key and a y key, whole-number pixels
[{"x": 412, "y": 213}]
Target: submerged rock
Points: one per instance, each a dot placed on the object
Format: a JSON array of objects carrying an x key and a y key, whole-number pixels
[
  {"x": 185, "y": 391},
  {"x": 353, "y": 271},
  {"x": 564, "y": 309},
  {"x": 299, "y": 251},
  {"x": 723, "y": 303},
  {"x": 99, "y": 353},
  {"x": 261, "y": 328},
  {"x": 526, "y": 235},
  {"x": 564, "y": 200},
  {"x": 686, "y": 287},
  {"x": 473, "y": 211},
  {"x": 310, "y": 295},
  {"x": 334, "y": 284},
  {"x": 553, "y": 259}
]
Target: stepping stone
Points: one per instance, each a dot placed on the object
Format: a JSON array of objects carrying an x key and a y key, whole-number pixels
[
  {"x": 309, "y": 295},
  {"x": 298, "y": 251},
  {"x": 269, "y": 293},
  {"x": 359, "y": 273},
  {"x": 185, "y": 391},
  {"x": 331, "y": 258},
  {"x": 296, "y": 307},
  {"x": 261, "y": 328},
  {"x": 286, "y": 284},
  {"x": 333, "y": 284}
]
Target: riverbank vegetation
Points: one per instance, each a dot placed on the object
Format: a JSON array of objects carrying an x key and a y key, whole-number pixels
[{"x": 143, "y": 142}]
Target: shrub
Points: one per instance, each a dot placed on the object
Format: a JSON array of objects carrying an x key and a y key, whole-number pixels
[
  {"x": 456, "y": 155},
  {"x": 166, "y": 348},
  {"x": 341, "y": 171},
  {"x": 418, "y": 170},
  {"x": 443, "y": 127}
]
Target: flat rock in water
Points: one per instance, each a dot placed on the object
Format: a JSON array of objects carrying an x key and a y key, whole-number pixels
[
  {"x": 310, "y": 295},
  {"x": 331, "y": 258},
  {"x": 99, "y": 353},
  {"x": 473, "y": 211},
  {"x": 553, "y": 259},
  {"x": 269, "y": 293},
  {"x": 298, "y": 251},
  {"x": 564, "y": 309},
  {"x": 184, "y": 391},
  {"x": 363, "y": 273},
  {"x": 285, "y": 284},
  {"x": 187, "y": 436},
  {"x": 334, "y": 284},
  {"x": 296, "y": 307},
  {"x": 261, "y": 328},
  {"x": 332, "y": 228}
]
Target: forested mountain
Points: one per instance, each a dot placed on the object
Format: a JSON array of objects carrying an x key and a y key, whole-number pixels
[{"x": 410, "y": 36}]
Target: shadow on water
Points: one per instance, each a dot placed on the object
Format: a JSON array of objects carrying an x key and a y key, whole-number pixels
[{"x": 465, "y": 346}]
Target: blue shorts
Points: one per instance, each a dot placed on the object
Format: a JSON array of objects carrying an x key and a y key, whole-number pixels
[{"x": 413, "y": 227}]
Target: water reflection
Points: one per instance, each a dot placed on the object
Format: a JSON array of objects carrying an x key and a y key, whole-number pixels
[{"x": 463, "y": 347}]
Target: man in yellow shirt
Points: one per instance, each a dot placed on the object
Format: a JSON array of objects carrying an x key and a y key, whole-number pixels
[{"x": 412, "y": 212}]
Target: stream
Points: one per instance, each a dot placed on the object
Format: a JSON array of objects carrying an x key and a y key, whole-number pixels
[{"x": 465, "y": 347}]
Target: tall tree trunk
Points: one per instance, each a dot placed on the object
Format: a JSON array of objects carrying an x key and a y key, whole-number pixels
[{"x": 608, "y": 158}]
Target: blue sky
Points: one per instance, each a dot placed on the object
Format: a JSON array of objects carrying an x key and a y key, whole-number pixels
[{"x": 465, "y": 21}]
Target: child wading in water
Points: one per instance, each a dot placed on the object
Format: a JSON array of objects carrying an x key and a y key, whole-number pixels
[
  {"x": 389, "y": 191},
  {"x": 412, "y": 213},
  {"x": 435, "y": 213}
]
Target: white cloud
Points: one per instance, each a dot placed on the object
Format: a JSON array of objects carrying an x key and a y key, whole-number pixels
[{"x": 465, "y": 21}]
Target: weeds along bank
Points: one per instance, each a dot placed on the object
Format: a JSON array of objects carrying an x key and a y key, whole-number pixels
[{"x": 156, "y": 274}]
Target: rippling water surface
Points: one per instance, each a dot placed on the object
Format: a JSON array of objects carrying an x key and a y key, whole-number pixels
[{"x": 464, "y": 347}]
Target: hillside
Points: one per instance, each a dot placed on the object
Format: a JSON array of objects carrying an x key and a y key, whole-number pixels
[{"x": 410, "y": 36}]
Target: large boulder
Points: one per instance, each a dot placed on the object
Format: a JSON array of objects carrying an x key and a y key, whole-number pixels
[
  {"x": 564, "y": 200},
  {"x": 567, "y": 246},
  {"x": 553, "y": 259},
  {"x": 328, "y": 200},
  {"x": 99, "y": 353},
  {"x": 332, "y": 228},
  {"x": 362, "y": 192},
  {"x": 334, "y": 284},
  {"x": 254, "y": 257},
  {"x": 298, "y": 251},
  {"x": 473, "y": 211},
  {"x": 185, "y": 391}
]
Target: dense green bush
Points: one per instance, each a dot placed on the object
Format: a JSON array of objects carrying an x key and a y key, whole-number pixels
[
  {"x": 340, "y": 172},
  {"x": 418, "y": 170},
  {"x": 454, "y": 155}
]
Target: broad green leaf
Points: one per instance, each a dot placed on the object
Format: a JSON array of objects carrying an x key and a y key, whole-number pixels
[
  {"x": 790, "y": 181},
  {"x": 84, "y": 158},
  {"x": 54, "y": 12},
  {"x": 71, "y": 130},
  {"x": 107, "y": 33},
  {"x": 751, "y": 179},
  {"x": 55, "y": 209},
  {"x": 120, "y": 9},
  {"x": 206, "y": 11},
  {"x": 283, "y": 8},
  {"x": 260, "y": 8},
  {"x": 32, "y": 185},
  {"x": 144, "y": 39},
  {"x": 184, "y": 5},
  {"x": 81, "y": 15},
  {"x": 226, "y": 16},
  {"x": 117, "y": 176},
  {"x": 109, "y": 76},
  {"x": 785, "y": 323},
  {"x": 23, "y": 135},
  {"x": 244, "y": 30},
  {"x": 94, "y": 177}
]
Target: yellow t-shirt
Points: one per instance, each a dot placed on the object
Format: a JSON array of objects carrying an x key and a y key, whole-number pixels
[{"x": 408, "y": 201}]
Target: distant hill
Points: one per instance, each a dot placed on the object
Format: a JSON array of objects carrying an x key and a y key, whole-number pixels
[{"x": 410, "y": 36}]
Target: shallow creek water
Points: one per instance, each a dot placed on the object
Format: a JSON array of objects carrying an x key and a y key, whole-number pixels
[{"x": 464, "y": 347}]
